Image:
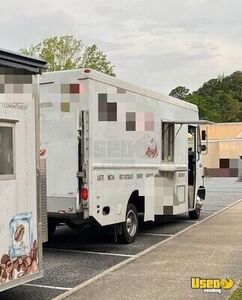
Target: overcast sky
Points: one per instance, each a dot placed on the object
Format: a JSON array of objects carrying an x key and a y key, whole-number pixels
[{"x": 158, "y": 44}]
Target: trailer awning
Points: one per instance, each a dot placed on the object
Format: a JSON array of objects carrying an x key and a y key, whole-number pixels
[
  {"x": 197, "y": 122},
  {"x": 8, "y": 121},
  {"x": 19, "y": 61}
]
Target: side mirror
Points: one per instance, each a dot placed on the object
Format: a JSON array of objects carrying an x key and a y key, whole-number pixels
[
  {"x": 204, "y": 135},
  {"x": 203, "y": 148}
]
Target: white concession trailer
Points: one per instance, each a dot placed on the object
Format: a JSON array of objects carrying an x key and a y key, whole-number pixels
[
  {"x": 20, "y": 217},
  {"x": 115, "y": 150}
]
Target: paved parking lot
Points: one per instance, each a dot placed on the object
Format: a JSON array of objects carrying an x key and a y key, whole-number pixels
[{"x": 72, "y": 257}]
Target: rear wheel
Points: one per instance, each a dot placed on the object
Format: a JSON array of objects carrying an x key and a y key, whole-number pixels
[
  {"x": 130, "y": 227},
  {"x": 74, "y": 226},
  {"x": 51, "y": 228}
]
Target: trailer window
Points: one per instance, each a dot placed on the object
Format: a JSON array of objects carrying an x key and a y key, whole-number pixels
[
  {"x": 6, "y": 152},
  {"x": 167, "y": 141}
]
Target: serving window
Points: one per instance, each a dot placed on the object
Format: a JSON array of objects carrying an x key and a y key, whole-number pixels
[{"x": 7, "y": 152}]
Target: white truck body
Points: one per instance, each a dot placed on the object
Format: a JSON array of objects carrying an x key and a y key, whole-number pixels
[
  {"x": 105, "y": 135},
  {"x": 20, "y": 220}
]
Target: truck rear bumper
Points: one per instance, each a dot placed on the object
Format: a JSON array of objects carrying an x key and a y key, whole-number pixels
[
  {"x": 76, "y": 218},
  {"x": 61, "y": 204}
]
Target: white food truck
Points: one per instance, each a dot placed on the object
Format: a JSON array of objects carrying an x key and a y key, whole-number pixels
[
  {"x": 115, "y": 150},
  {"x": 20, "y": 185}
]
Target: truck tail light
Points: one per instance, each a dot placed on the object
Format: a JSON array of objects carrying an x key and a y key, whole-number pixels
[{"x": 84, "y": 194}]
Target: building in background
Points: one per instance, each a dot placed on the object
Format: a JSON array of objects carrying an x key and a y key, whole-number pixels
[{"x": 224, "y": 149}]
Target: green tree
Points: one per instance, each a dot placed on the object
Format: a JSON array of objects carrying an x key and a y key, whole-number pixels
[
  {"x": 66, "y": 53},
  {"x": 179, "y": 92},
  {"x": 96, "y": 59},
  {"x": 219, "y": 99},
  {"x": 220, "y": 108}
]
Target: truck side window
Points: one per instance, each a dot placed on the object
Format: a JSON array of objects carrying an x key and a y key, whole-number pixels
[
  {"x": 167, "y": 141},
  {"x": 6, "y": 152},
  {"x": 191, "y": 138}
]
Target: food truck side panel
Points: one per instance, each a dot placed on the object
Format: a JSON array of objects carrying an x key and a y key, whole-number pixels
[
  {"x": 123, "y": 147},
  {"x": 126, "y": 144},
  {"x": 19, "y": 224}
]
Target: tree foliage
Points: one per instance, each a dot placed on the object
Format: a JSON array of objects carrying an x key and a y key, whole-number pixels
[
  {"x": 179, "y": 92},
  {"x": 96, "y": 59},
  {"x": 66, "y": 53},
  {"x": 219, "y": 99}
]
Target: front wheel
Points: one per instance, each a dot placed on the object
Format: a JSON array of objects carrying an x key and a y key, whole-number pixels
[
  {"x": 195, "y": 214},
  {"x": 130, "y": 227}
]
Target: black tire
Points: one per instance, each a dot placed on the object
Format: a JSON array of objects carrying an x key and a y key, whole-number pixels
[
  {"x": 74, "y": 226},
  {"x": 195, "y": 214},
  {"x": 130, "y": 227},
  {"x": 51, "y": 228}
]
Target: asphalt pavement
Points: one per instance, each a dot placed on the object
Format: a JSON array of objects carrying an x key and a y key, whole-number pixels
[
  {"x": 211, "y": 250},
  {"x": 73, "y": 257}
]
